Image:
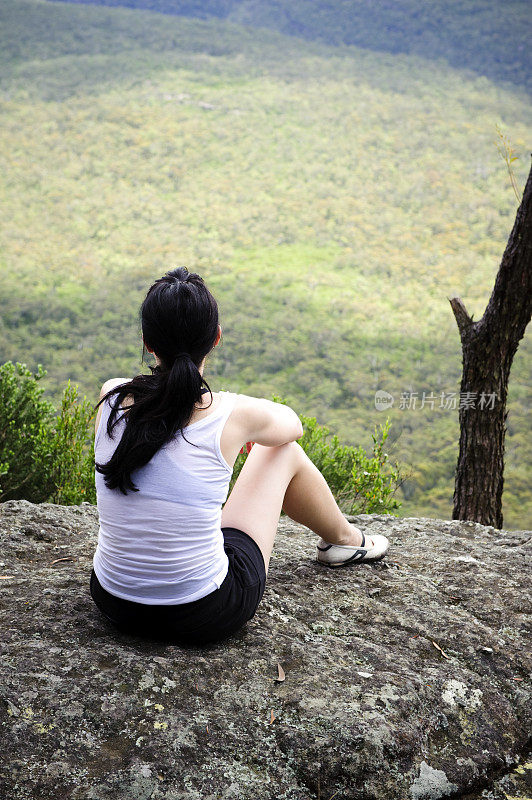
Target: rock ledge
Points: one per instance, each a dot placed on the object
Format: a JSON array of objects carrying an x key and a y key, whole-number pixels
[{"x": 405, "y": 680}]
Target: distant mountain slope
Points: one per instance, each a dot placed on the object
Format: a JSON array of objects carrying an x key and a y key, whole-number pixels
[{"x": 491, "y": 37}]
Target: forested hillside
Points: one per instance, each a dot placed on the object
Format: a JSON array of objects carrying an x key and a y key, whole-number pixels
[
  {"x": 333, "y": 197},
  {"x": 491, "y": 37}
]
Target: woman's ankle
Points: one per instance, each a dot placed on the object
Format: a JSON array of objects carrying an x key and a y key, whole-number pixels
[{"x": 349, "y": 536}]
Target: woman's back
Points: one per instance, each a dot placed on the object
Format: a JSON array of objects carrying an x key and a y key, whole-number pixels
[
  {"x": 169, "y": 562},
  {"x": 163, "y": 544}
]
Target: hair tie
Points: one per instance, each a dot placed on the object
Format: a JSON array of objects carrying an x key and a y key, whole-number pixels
[{"x": 185, "y": 355}]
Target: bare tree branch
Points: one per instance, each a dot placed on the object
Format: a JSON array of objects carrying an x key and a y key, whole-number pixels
[{"x": 463, "y": 320}]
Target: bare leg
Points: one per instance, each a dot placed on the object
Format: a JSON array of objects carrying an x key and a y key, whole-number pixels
[{"x": 275, "y": 478}]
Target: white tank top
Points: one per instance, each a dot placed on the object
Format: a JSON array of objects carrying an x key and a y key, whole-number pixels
[{"x": 163, "y": 545}]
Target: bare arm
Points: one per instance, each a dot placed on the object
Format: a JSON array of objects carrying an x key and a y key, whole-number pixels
[
  {"x": 269, "y": 423},
  {"x": 261, "y": 421}
]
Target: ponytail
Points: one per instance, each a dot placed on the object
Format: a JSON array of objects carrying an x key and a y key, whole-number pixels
[{"x": 180, "y": 324}]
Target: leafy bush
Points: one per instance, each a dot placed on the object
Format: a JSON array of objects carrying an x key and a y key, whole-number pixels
[
  {"x": 360, "y": 483},
  {"x": 70, "y": 452},
  {"x": 44, "y": 456},
  {"x": 24, "y": 420}
]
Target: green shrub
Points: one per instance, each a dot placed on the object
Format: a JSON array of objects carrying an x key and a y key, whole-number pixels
[
  {"x": 25, "y": 419},
  {"x": 70, "y": 452},
  {"x": 44, "y": 456},
  {"x": 360, "y": 483}
]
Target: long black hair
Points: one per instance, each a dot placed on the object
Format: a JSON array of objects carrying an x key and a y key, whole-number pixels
[{"x": 179, "y": 318}]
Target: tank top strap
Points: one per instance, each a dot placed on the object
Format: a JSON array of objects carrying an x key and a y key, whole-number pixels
[
  {"x": 213, "y": 424},
  {"x": 227, "y": 405}
]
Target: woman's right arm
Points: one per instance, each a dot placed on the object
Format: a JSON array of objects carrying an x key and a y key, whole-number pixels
[
  {"x": 261, "y": 421},
  {"x": 268, "y": 423}
]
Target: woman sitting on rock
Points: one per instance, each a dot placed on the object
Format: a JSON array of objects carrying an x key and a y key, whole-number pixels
[{"x": 170, "y": 562}]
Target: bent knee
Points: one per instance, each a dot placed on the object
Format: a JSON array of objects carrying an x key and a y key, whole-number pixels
[
  {"x": 290, "y": 450},
  {"x": 296, "y": 448}
]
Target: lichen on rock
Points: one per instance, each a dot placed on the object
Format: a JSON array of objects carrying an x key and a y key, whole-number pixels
[{"x": 408, "y": 679}]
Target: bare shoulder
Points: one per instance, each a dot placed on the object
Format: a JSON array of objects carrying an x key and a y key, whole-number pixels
[
  {"x": 246, "y": 403},
  {"x": 110, "y": 384},
  {"x": 252, "y": 409},
  {"x": 107, "y": 386},
  {"x": 265, "y": 421}
]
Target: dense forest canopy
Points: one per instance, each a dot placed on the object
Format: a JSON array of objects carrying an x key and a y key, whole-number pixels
[
  {"x": 491, "y": 38},
  {"x": 332, "y": 196}
]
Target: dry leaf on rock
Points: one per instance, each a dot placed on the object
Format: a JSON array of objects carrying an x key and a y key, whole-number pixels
[{"x": 281, "y": 676}]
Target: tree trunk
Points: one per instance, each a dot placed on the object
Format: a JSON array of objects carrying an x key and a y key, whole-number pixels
[{"x": 488, "y": 348}]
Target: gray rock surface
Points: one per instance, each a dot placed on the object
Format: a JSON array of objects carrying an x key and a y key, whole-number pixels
[{"x": 408, "y": 679}]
